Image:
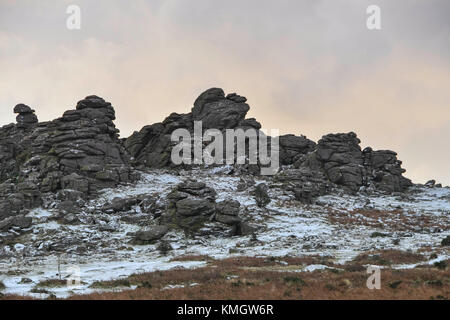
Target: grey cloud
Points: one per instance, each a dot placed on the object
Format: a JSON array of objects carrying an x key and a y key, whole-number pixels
[{"x": 306, "y": 66}]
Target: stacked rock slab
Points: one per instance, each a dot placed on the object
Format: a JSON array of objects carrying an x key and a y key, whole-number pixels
[
  {"x": 16, "y": 193},
  {"x": 341, "y": 159},
  {"x": 80, "y": 152},
  {"x": 12, "y": 147},
  {"x": 191, "y": 204},
  {"x": 384, "y": 170},
  {"x": 152, "y": 145},
  {"x": 26, "y": 117},
  {"x": 293, "y": 147},
  {"x": 85, "y": 145},
  {"x": 305, "y": 183}
]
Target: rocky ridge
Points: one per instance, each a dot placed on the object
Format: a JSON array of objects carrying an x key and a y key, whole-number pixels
[
  {"x": 67, "y": 161},
  {"x": 73, "y": 193}
]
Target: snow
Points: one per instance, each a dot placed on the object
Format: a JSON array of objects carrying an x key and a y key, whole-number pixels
[{"x": 284, "y": 228}]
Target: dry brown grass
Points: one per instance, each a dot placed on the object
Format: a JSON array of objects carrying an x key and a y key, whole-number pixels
[
  {"x": 14, "y": 297},
  {"x": 51, "y": 283},
  {"x": 394, "y": 220},
  {"x": 388, "y": 257},
  {"x": 252, "y": 278},
  {"x": 249, "y": 278},
  {"x": 191, "y": 258}
]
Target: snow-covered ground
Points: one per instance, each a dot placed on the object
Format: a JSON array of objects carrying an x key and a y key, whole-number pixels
[{"x": 284, "y": 227}]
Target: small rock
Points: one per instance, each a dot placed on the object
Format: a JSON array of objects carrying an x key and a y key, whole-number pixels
[
  {"x": 395, "y": 284},
  {"x": 377, "y": 234},
  {"x": 164, "y": 247},
  {"x": 25, "y": 280},
  {"x": 430, "y": 183}
]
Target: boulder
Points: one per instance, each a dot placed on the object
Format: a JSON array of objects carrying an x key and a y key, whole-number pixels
[
  {"x": 68, "y": 206},
  {"x": 121, "y": 204},
  {"x": 191, "y": 204},
  {"x": 305, "y": 183},
  {"x": 243, "y": 229},
  {"x": 20, "y": 221},
  {"x": 150, "y": 234},
  {"x": 293, "y": 147},
  {"x": 26, "y": 117},
  {"x": 197, "y": 189},
  {"x": 430, "y": 183},
  {"x": 219, "y": 112},
  {"x": 194, "y": 207},
  {"x": 227, "y": 212}
]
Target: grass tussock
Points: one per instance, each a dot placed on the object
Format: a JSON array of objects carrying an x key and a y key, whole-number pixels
[
  {"x": 388, "y": 257},
  {"x": 110, "y": 284},
  {"x": 191, "y": 258},
  {"x": 52, "y": 283}
]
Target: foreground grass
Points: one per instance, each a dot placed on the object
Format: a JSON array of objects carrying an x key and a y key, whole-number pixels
[{"x": 273, "y": 278}]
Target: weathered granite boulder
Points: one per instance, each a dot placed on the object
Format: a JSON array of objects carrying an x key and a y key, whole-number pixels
[
  {"x": 191, "y": 204},
  {"x": 384, "y": 170},
  {"x": 227, "y": 212},
  {"x": 293, "y": 147},
  {"x": 121, "y": 204},
  {"x": 194, "y": 207},
  {"x": 26, "y": 117},
  {"x": 219, "y": 112},
  {"x": 342, "y": 159},
  {"x": 306, "y": 184},
  {"x": 150, "y": 234},
  {"x": 21, "y": 222}
]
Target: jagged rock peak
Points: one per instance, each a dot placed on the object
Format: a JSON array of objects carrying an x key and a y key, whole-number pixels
[
  {"x": 218, "y": 111},
  {"x": 26, "y": 116},
  {"x": 93, "y": 102},
  {"x": 22, "y": 108},
  {"x": 210, "y": 95},
  {"x": 92, "y": 107}
]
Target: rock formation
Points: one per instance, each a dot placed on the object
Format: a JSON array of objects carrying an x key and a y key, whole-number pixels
[
  {"x": 337, "y": 158},
  {"x": 74, "y": 156},
  {"x": 340, "y": 157},
  {"x": 26, "y": 117},
  {"x": 152, "y": 145},
  {"x": 80, "y": 152},
  {"x": 191, "y": 204}
]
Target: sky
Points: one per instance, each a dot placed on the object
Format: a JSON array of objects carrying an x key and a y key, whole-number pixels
[{"x": 306, "y": 67}]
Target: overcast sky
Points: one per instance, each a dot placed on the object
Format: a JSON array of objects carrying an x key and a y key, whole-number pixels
[{"x": 306, "y": 67}]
